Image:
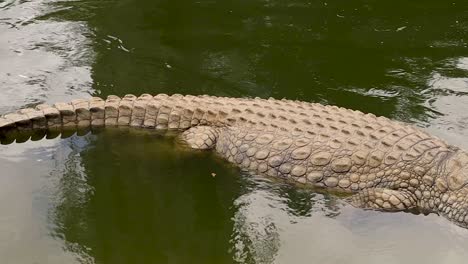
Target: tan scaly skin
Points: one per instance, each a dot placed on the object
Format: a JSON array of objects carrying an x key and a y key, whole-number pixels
[{"x": 387, "y": 165}]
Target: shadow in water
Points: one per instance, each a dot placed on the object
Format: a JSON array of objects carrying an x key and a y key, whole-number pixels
[{"x": 128, "y": 200}]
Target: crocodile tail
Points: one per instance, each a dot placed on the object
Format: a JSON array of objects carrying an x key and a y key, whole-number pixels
[
  {"x": 55, "y": 119},
  {"x": 160, "y": 112}
]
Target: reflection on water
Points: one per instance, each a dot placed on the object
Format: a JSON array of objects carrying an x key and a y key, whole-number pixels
[
  {"x": 449, "y": 100},
  {"x": 134, "y": 197},
  {"x": 265, "y": 210},
  {"x": 27, "y": 194},
  {"x": 41, "y": 60},
  {"x": 270, "y": 229}
]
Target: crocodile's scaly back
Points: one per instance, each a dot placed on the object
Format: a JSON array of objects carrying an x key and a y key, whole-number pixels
[
  {"x": 389, "y": 165},
  {"x": 182, "y": 112}
]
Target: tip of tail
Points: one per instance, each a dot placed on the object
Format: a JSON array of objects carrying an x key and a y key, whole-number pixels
[{"x": 12, "y": 135}]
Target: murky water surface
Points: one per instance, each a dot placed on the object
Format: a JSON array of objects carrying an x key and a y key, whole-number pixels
[{"x": 136, "y": 197}]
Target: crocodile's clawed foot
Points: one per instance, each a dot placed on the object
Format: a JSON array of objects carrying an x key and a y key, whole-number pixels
[
  {"x": 383, "y": 199},
  {"x": 200, "y": 137}
]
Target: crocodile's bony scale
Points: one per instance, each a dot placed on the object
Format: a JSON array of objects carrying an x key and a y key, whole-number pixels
[{"x": 388, "y": 165}]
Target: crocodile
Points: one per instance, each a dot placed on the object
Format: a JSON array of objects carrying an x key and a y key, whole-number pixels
[{"x": 383, "y": 164}]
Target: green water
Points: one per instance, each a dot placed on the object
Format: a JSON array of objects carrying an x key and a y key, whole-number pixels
[{"x": 137, "y": 197}]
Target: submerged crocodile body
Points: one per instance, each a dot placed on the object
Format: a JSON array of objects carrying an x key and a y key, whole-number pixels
[{"x": 386, "y": 165}]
